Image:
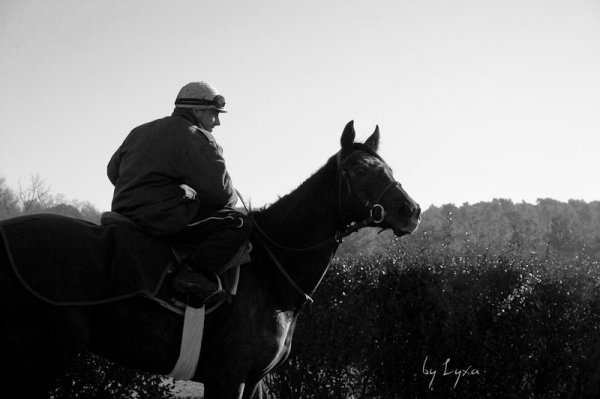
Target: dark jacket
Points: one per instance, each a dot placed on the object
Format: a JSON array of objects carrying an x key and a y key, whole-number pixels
[{"x": 151, "y": 164}]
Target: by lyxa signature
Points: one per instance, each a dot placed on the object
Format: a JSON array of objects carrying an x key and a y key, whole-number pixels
[{"x": 448, "y": 371}]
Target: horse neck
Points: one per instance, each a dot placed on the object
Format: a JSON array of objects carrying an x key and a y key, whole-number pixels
[{"x": 307, "y": 216}]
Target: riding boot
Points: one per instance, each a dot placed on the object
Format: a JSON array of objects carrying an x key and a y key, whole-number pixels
[
  {"x": 203, "y": 286},
  {"x": 217, "y": 242}
]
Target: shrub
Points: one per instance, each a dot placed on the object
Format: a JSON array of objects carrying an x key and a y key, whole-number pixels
[
  {"x": 512, "y": 327},
  {"x": 94, "y": 377}
]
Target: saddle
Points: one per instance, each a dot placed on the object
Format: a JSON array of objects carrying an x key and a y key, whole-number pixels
[{"x": 176, "y": 300}]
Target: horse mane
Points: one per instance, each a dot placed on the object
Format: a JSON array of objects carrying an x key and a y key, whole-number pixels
[{"x": 316, "y": 190}]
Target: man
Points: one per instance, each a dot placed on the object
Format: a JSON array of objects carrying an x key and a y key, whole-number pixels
[{"x": 170, "y": 179}]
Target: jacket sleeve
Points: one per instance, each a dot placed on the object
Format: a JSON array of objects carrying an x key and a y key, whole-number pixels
[
  {"x": 112, "y": 169},
  {"x": 203, "y": 168}
]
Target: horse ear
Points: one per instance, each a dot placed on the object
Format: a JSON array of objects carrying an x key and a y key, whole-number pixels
[
  {"x": 348, "y": 136},
  {"x": 373, "y": 141}
]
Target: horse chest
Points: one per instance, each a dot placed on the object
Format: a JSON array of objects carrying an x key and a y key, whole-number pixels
[
  {"x": 286, "y": 330},
  {"x": 276, "y": 342}
]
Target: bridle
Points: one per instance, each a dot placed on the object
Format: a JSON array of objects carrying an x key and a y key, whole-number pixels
[
  {"x": 374, "y": 208},
  {"x": 376, "y": 217}
]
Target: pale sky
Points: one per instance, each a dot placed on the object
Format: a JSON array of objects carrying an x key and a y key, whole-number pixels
[{"x": 475, "y": 99}]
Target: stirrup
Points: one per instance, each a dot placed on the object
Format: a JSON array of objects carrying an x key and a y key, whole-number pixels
[
  {"x": 211, "y": 301},
  {"x": 198, "y": 287}
]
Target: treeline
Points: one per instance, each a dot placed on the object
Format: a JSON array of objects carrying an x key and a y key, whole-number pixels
[
  {"x": 548, "y": 227},
  {"x": 36, "y": 197}
]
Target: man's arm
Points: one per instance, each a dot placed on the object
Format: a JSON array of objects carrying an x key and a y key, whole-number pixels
[{"x": 205, "y": 171}]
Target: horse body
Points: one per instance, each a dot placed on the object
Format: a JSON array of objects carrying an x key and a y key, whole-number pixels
[{"x": 244, "y": 339}]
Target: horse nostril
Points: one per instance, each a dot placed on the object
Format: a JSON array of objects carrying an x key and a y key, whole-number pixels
[
  {"x": 406, "y": 210},
  {"x": 409, "y": 210}
]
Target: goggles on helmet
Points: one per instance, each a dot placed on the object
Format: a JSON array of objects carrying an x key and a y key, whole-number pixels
[{"x": 218, "y": 102}]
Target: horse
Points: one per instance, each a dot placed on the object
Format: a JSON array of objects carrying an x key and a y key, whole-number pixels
[{"x": 294, "y": 241}]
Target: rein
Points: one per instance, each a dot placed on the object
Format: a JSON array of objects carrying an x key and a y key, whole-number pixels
[{"x": 338, "y": 236}]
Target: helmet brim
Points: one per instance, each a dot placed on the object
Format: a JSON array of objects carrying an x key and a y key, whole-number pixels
[{"x": 221, "y": 110}]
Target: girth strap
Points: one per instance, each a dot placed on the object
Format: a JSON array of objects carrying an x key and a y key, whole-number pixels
[{"x": 191, "y": 343}]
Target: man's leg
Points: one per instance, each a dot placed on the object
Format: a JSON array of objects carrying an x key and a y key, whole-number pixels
[{"x": 218, "y": 242}]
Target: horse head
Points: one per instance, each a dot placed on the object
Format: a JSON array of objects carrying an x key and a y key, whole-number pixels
[{"x": 367, "y": 189}]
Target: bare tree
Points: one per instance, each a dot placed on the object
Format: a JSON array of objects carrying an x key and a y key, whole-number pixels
[
  {"x": 36, "y": 196},
  {"x": 88, "y": 211},
  {"x": 8, "y": 201}
]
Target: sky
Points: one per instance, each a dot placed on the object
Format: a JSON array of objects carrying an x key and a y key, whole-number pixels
[{"x": 475, "y": 99}]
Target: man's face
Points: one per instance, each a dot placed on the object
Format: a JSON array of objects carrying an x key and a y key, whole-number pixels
[{"x": 207, "y": 118}]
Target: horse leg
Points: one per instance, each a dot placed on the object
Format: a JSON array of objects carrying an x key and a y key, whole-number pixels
[
  {"x": 253, "y": 390},
  {"x": 36, "y": 354},
  {"x": 37, "y": 350},
  {"x": 37, "y": 340},
  {"x": 14, "y": 386},
  {"x": 227, "y": 390}
]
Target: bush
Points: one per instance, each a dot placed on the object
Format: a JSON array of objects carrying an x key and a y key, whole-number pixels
[
  {"x": 93, "y": 377},
  {"x": 498, "y": 326}
]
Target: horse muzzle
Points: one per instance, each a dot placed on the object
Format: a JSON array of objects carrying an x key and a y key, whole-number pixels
[{"x": 403, "y": 218}]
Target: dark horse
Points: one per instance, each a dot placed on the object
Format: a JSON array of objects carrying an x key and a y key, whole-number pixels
[{"x": 244, "y": 340}]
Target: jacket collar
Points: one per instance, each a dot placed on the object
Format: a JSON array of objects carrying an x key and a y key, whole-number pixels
[{"x": 188, "y": 115}]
